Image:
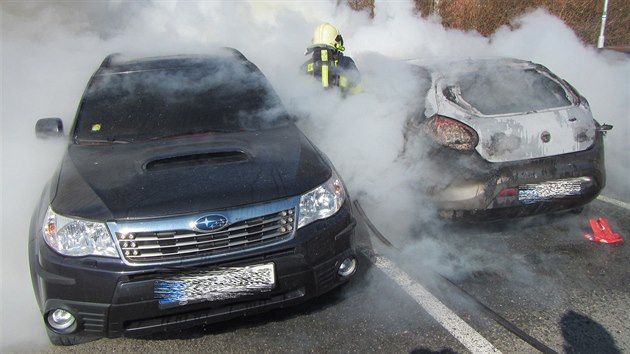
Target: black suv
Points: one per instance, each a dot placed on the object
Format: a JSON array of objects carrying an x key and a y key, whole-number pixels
[{"x": 186, "y": 196}]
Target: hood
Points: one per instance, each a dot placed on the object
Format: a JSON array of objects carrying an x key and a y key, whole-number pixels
[{"x": 186, "y": 175}]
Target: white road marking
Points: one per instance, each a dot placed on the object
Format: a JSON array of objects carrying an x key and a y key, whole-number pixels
[
  {"x": 457, "y": 327},
  {"x": 612, "y": 201}
]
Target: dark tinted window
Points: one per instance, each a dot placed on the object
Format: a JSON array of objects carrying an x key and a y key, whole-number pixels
[
  {"x": 500, "y": 90},
  {"x": 183, "y": 97}
]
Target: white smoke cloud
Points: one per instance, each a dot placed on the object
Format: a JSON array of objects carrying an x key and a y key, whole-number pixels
[{"x": 49, "y": 50}]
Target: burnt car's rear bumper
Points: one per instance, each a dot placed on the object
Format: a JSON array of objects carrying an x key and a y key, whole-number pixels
[
  {"x": 111, "y": 299},
  {"x": 484, "y": 191}
]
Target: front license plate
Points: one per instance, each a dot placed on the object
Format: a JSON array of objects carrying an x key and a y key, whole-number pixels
[{"x": 219, "y": 284}]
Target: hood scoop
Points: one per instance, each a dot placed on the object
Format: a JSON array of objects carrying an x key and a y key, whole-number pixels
[{"x": 209, "y": 158}]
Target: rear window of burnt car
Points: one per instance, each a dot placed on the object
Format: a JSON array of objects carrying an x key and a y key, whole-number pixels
[
  {"x": 193, "y": 97},
  {"x": 504, "y": 90}
]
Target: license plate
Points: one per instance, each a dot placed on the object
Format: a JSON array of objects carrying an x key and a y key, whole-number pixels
[
  {"x": 219, "y": 284},
  {"x": 532, "y": 193}
]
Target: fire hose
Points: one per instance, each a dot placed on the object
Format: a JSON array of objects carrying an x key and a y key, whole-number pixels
[{"x": 502, "y": 321}]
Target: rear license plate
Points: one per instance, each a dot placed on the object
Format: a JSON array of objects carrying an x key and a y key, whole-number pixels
[
  {"x": 219, "y": 284},
  {"x": 532, "y": 193}
]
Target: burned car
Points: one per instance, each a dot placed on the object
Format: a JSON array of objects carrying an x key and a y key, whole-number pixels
[
  {"x": 504, "y": 138},
  {"x": 186, "y": 196}
]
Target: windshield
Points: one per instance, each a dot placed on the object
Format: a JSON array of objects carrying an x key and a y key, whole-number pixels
[
  {"x": 504, "y": 90},
  {"x": 223, "y": 95}
]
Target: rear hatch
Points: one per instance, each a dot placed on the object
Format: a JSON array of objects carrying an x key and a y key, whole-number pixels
[{"x": 518, "y": 109}]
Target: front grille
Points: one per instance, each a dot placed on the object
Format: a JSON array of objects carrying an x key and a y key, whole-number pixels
[{"x": 165, "y": 245}]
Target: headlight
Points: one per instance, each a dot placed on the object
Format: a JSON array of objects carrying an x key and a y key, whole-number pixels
[
  {"x": 322, "y": 202},
  {"x": 74, "y": 237}
]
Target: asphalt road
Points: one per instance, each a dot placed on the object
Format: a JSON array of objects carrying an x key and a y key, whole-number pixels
[{"x": 520, "y": 287}]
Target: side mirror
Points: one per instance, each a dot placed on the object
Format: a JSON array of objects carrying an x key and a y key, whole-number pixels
[{"x": 49, "y": 128}]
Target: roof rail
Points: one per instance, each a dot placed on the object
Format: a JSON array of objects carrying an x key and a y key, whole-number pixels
[{"x": 108, "y": 61}]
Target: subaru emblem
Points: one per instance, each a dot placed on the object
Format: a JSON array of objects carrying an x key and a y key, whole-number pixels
[{"x": 211, "y": 223}]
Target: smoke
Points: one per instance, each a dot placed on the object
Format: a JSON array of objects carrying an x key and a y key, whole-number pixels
[{"x": 49, "y": 50}]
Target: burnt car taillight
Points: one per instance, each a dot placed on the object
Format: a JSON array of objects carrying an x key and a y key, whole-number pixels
[{"x": 451, "y": 133}]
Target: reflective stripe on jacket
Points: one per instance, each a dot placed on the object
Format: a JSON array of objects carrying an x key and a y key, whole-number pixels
[{"x": 334, "y": 69}]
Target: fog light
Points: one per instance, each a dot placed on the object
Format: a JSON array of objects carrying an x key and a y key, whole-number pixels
[
  {"x": 347, "y": 267},
  {"x": 60, "y": 320}
]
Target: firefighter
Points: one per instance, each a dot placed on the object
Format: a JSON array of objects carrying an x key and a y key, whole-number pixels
[{"x": 328, "y": 64}]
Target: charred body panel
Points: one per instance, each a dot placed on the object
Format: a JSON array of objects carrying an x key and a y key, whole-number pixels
[
  {"x": 515, "y": 148},
  {"x": 526, "y": 111},
  {"x": 186, "y": 196}
]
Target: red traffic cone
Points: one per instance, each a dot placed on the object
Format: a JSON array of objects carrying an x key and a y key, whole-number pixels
[{"x": 602, "y": 232}]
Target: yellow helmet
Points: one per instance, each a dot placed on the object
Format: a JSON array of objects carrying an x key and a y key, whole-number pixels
[{"x": 327, "y": 35}]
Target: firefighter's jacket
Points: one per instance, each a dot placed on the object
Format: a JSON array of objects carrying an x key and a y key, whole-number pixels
[{"x": 333, "y": 69}]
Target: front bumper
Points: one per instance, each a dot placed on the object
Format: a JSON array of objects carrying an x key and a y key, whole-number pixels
[
  {"x": 111, "y": 299},
  {"x": 484, "y": 191}
]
